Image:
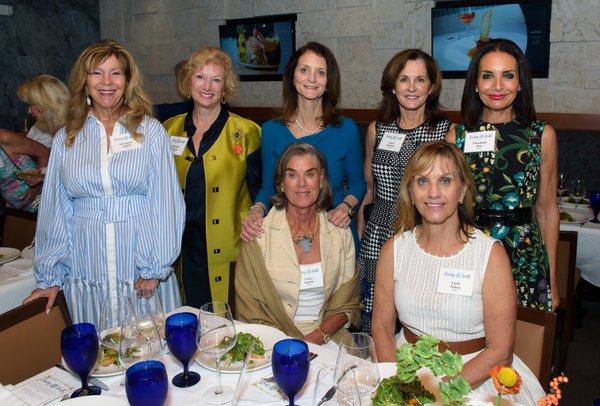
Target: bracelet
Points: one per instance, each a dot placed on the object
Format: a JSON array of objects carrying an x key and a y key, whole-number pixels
[
  {"x": 259, "y": 208},
  {"x": 350, "y": 208},
  {"x": 325, "y": 335}
]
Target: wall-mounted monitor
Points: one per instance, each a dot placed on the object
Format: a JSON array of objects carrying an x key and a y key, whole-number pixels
[
  {"x": 259, "y": 46},
  {"x": 458, "y": 28}
]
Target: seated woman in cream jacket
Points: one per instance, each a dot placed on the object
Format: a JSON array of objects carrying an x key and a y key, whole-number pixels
[{"x": 300, "y": 276}]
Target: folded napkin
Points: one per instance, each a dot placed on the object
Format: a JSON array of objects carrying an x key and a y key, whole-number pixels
[{"x": 7, "y": 397}]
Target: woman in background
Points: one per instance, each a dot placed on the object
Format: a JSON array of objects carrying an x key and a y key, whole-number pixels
[
  {"x": 311, "y": 94},
  {"x": 217, "y": 154},
  {"x": 409, "y": 115},
  {"x": 111, "y": 215},
  {"x": 515, "y": 168}
]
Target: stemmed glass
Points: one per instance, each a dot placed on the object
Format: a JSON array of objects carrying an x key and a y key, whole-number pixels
[
  {"x": 181, "y": 333},
  {"x": 357, "y": 353},
  {"x": 577, "y": 190},
  {"x": 324, "y": 394},
  {"x": 117, "y": 324},
  {"x": 148, "y": 307},
  {"x": 136, "y": 349},
  {"x": 466, "y": 17},
  {"x": 147, "y": 384},
  {"x": 563, "y": 184},
  {"x": 290, "y": 365},
  {"x": 595, "y": 203},
  {"x": 217, "y": 337},
  {"x": 79, "y": 346}
]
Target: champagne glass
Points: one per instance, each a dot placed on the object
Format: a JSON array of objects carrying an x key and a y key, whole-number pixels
[
  {"x": 79, "y": 346},
  {"x": 181, "y": 333},
  {"x": 357, "y": 353},
  {"x": 563, "y": 185},
  {"x": 577, "y": 190},
  {"x": 148, "y": 307},
  {"x": 217, "y": 337},
  {"x": 290, "y": 365},
  {"x": 147, "y": 384},
  {"x": 117, "y": 324},
  {"x": 595, "y": 203}
]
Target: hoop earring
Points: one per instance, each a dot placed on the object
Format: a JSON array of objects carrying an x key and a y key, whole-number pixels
[{"x": 223, "y": 99}]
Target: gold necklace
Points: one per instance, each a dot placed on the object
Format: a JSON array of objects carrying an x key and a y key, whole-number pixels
[{"x": 305, "y": 240}]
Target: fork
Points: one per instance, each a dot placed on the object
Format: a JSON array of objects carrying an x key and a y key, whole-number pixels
[{"x": 84, "y": 392}]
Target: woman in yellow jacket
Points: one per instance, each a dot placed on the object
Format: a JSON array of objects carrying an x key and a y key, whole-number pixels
[{"x": 217, "y": 154}]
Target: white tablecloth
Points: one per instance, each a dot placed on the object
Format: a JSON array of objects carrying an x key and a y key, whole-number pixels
[
  {"x": 16, "y": 283},
  {"x": 588, "y": 246}
]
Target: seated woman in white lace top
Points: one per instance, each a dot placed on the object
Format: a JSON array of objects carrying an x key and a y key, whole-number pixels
[{"x": 442, "y": 277}]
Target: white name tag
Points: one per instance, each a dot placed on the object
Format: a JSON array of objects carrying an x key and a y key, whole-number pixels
[
  {"x": 311, "y": 276},
  {"x": 455, "y": 281},
  {"x": 480, "y": 141},
  {"x": 123, "y": 142},
  {"x": 178, "y": 145},
  {"x": 392, "y": 141}
]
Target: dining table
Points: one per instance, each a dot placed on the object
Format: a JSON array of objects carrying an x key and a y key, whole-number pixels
[
  {"x": 257, "y": 388},
  {"x": 16, "y": 282}
]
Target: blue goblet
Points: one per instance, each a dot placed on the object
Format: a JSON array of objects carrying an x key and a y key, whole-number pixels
[
  {"x": 290, "y": 364},
  {"x": 595, "y": 203},
  {"x": 146, "y": 384},
  {"x": 181, "y": 333},
  {"x": 79, "y": 346}
]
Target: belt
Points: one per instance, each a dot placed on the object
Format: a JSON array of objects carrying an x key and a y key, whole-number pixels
[
  {"x": 458, "y": 347},
  {"x": 485, "y": 218}
]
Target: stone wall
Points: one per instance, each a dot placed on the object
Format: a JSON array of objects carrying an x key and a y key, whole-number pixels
[{"x": 363, "y": 34}]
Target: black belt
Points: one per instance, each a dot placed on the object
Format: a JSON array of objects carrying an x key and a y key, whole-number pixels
[{"x": 485, "y": 218}]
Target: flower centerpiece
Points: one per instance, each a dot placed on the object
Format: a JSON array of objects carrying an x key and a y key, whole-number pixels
[{"x": 405, "y": 388}]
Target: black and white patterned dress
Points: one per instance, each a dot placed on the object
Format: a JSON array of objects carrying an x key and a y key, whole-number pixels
[{"x": 387, "y": 168}]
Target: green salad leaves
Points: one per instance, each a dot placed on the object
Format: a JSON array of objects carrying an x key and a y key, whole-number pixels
[{"x": 242, "y": 346}]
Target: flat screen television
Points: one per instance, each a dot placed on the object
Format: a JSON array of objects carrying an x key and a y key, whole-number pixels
[
  {"x": 259, "y": 46},
  {"x": 458, "y": 28}
]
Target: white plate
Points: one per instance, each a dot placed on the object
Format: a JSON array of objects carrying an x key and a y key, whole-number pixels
[
  {"x": 564, "y": 201},
  {"x": 99, "y": 371},
  {"x": 95, "y": 401},
  {"x": 267, "y": 334},
  {"x": 578, "y": 218},
  {"x": 8, "y": 254}
]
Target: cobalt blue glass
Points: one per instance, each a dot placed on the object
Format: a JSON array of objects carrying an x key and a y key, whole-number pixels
[
  {"x": 146, "y": 384},
  {"x": 181, "y": 333},
  {"x": 595, "y": 203},
  {"x": 79, "y": 346},
  {"x": 290, "y": 364}
]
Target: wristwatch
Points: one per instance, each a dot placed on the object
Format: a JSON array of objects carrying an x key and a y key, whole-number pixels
[
  {"x": 326, "y": 337},
  {"x": 351, "y": 211}
]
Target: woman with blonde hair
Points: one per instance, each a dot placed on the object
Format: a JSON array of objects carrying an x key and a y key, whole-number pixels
[
  {"x": 111, "y": 215},
  {"x": 217, "y": 154}
]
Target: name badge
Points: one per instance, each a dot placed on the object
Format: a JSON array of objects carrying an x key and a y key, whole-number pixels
[
  {"x": 480, "y": 141},
  {"x": 178, "y": 145},
  {"x": 311, "y": 276},
  {"x": 456, "y": 281},
  {"x": 123, "y": 142},
  {"x": 392, "y": 141}
]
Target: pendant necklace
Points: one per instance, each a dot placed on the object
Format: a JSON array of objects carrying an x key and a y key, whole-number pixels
[{"x": 305, "y": 241}]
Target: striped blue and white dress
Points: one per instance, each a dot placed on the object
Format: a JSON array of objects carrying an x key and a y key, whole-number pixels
[{"x": 107, "y": 218}]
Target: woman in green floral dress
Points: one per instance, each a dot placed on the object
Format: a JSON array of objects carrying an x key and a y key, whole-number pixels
[{"x": 513, "y": 158}]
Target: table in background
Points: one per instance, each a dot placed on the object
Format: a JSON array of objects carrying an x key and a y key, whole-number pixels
[{"x": 13, "y": 289}]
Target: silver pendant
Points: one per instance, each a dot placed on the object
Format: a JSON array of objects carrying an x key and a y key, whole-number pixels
[{"x": 305, "y": 243}]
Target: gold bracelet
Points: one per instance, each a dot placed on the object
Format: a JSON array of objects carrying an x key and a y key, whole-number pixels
[{"x": 326, "y": 336}]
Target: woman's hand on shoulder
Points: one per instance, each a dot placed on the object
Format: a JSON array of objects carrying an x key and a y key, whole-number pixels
[
  {"x": 339, "y": 216},
  {"x": 49, "y": 293},
  {"x": 252, "y": 226},
  {"x": 451, "y": 134}
]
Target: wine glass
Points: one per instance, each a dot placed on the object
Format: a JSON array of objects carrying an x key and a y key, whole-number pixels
[
  {"x": 325, "y": 389},
  {"x": 117, "y": 323},
  {"x": 148, "y": 306},
  {"x": 147, "y": 384},
  {"x": 136, "y": 349},
  {"x": 290, "y": 365},
  {"x": 595, "y": 203},
  {"x": 577, "y": 189},
  {"x": 79, "y": 346},
  {"x": 357, "y": 353},
  {"x": 466, "y": 17},
  {"x": 563, "y": 185},
  {"x": 217, "y": 337},
  {"x": 181, "y": 333}
]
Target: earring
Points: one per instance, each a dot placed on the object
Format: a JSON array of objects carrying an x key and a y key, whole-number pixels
[
  {"x": 519, "y": 89},
  {"x": 189, "y": 95},
  {"x": 321, "y": 186},
  {"x": 394, "y": 91},
  {"x": 282, "y": 189},
  {"x": 460, "y": 201},
  {"x": 476, "y": 89},
  {"x": 88, "y": 100},
  {"x": 223, "y": 99},
  {"x": 413, "y": 202}
]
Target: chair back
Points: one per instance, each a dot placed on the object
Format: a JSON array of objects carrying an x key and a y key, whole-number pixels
[
  {"x": 534, "y": 341},
  {"x": 30, "y": 338},
  {"x": 565, "y": 266}
]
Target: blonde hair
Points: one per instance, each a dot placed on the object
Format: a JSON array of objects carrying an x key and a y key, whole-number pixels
[
  {"x": 202, "y": 57},
  {"x": 422, "y": 160},
  {"x": 136, "y": 102},
  {"x": 51, "y": 96}
]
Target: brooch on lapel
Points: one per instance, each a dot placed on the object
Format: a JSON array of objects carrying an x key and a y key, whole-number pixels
[{"x": 237, "y": 138}]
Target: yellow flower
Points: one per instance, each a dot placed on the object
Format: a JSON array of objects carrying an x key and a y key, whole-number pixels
[
  {"x": 507, "y": 377},
  {"x": 486, "y": 169},
  {"x": 473, "y": 166},
  {"x": 506, "y": 380}
]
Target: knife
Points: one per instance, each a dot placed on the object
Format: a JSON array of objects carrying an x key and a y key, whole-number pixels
[{"x": 93, "y": 381}]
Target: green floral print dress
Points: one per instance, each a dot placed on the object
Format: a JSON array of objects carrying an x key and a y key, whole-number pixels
[{"x": 508, "y": 179}]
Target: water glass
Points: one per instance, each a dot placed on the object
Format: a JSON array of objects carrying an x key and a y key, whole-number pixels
[
  {"x": 357, "y": 353},
  {"x": 326, "y": 392},
  {"x": 181, "y": 333},
  {"x": 79, "y": 346},
  {"x": 291, "y": 364},
  {"x": 595, "y": 203},
  {"x": 146, "y": 384}
]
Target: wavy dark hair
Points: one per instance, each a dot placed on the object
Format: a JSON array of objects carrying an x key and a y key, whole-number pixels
[
  {"x": 471, "y": 104},
  {"x": 330, "y": 99},
  {"x": 279, "y": 199},
  {"x": 389, "y": 109},
  {"x": 422, "y": 160}
]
